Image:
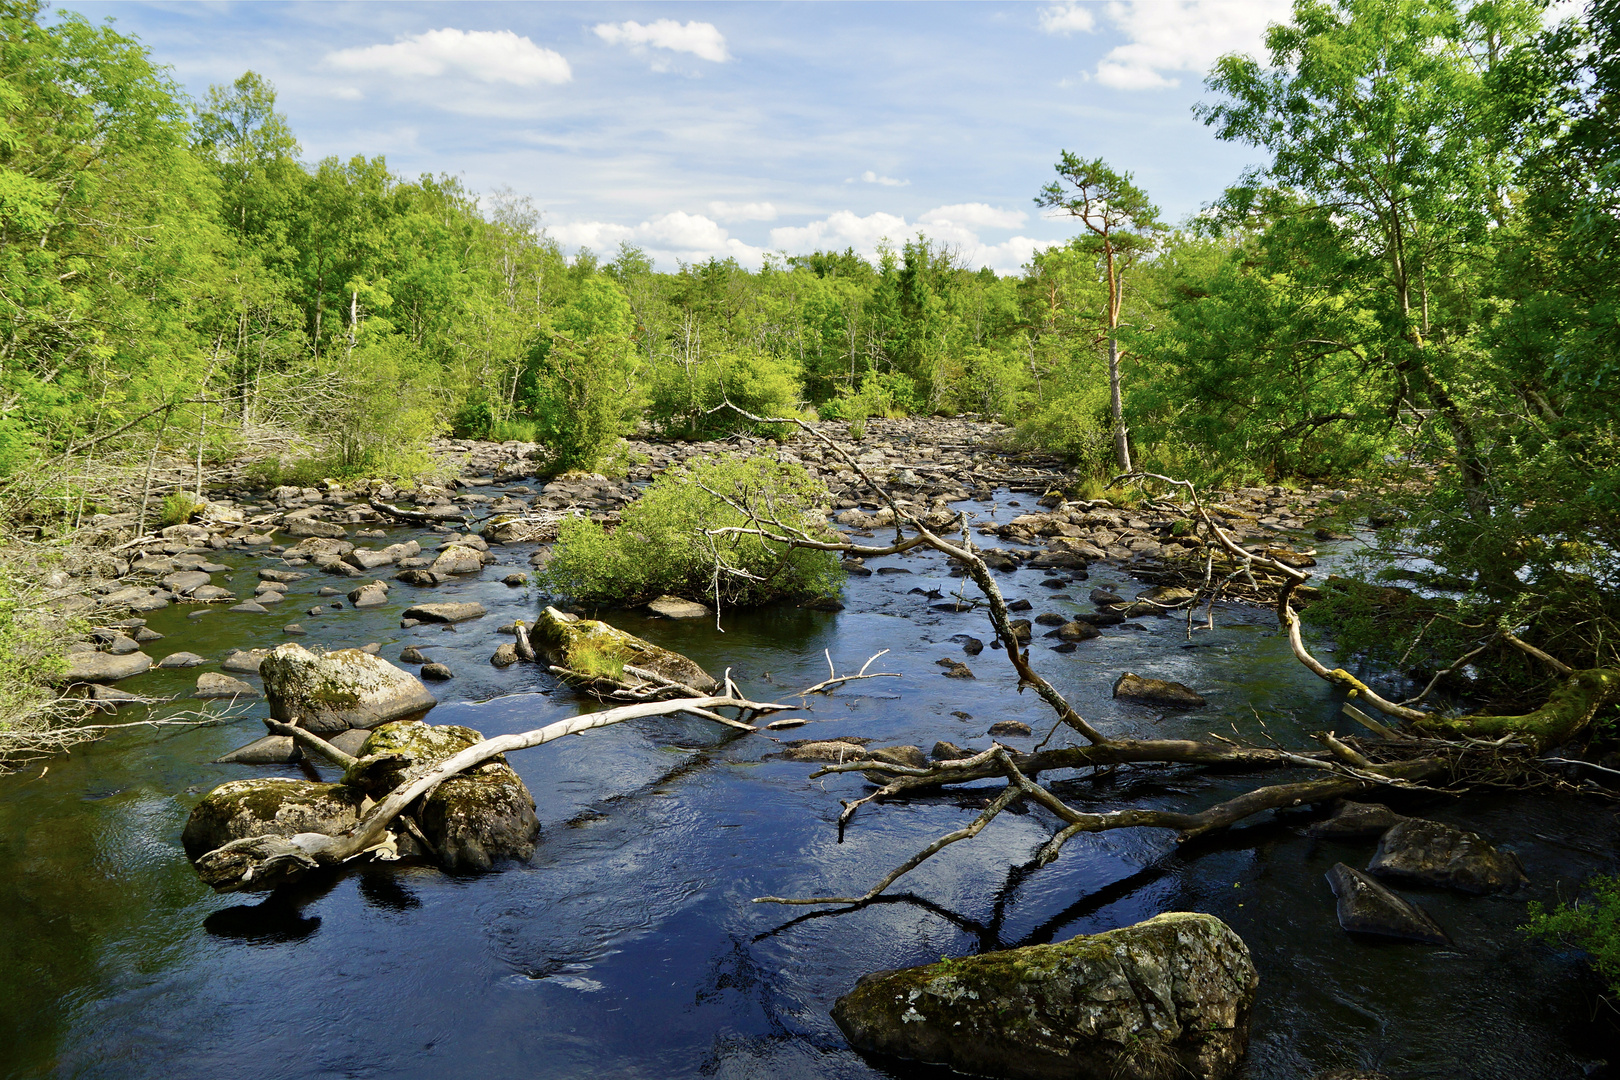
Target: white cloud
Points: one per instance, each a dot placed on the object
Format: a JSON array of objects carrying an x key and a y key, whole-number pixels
[
  {"x": 1066, "y": 19},
  {"x": 701, "y": 39},
  {"x": 678, "y": 236},
  {"x": 489, "y": 56},
  {"x": 870, "y": 177},
  {"x": 1167, "y": 37},
  {"x": 743, "y": 211},
  {"x": 975, "y": 215},
  {"x": 843, "y": 229}
]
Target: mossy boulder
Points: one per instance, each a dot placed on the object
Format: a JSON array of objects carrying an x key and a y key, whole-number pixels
[
  {"x": 335, "y": 691},
  {"x": 471, "y": 820},
  {"x": 595, "y": 649},
  {"x": 1169, "y": 997},
  {"x": 271, "y": 806}
]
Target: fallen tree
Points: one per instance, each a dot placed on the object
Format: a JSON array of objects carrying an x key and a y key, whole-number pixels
[{"x": 1408, "y": 748}]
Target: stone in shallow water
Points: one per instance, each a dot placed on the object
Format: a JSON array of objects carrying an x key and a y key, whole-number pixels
[
  {"x": 213, "y": 685},
  {"x": 1433, "y": 853},
  {"x": 268, "y": 807},
  {"x": 673, "y": 607},
  {"x": 1133, "y": 687},
  {"x": 270, "y": 750},
  {"x": 104, "y": 667},
  {"x": 1366, "y": 907},
  {"x": 347, "y": 688},
  {"x": 1356, "y": 821},
  {"x": 1169, "y": 997},
  {"x": 182, "y": 660},
  {"x": 445, "y": 613}
]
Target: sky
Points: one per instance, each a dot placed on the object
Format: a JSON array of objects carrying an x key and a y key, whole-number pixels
[{"x": 697, "y": 130}]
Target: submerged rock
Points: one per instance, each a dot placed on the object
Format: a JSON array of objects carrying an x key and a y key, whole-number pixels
[
  {"x": 1356, "y": 821},
  {"x": 1169, "y": 997},
  {"x": 1433, "y": 853},
  {"x": 594, "y": 648},
  {"x": 472, "y": 819},
  {"x": 270, "y": 750},
  {"x": 268, "y": 807},
  {"x": 445, "y": 613},
  {"x": 213, "y": 685},
  {"x": 338, "y": 690},
  {"x": 1133, "y": 687},
  {"x": 1366, "y": 907},
  {"x": 673, "y": 607}
]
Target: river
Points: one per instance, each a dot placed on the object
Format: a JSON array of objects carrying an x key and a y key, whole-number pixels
[{"x": 629, "y": 947}]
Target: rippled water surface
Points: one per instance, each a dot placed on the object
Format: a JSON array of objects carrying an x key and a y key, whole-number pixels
[{"x": 628, "y": 945}]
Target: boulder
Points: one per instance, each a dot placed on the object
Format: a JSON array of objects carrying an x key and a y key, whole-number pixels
[
  {"x": 458, "y": 559},
  {"x": 1169, "y": 997},
  {"x": 472, "y": 819},
  {"x": 97, "y": 667},
  {"x": 1077, "y": 631},
  {"x": 373, "y": 595},
  {"x": 308, "y": 527},
  {"x": 244, "y": 661},
  {"x": 186, "y": 582},
  {"x": 337, "y": 690},
  {"x": 505, "y": 655},
  {"x": 268, "y": 807},
  {"x": 673, "y": 607},
  {"x": 1432, "y": 853},
  {"x": 1134, "y": 687},
  {"x": 317, "y": 547},
  {"x": 594, "y": 648},
  {"x": 181, "y": 660},
  {"x": 438, "y": 672},
  {"x": 1366, "y": 907},
  {"x": 1356, "y": 821},
  {"x": 270, "y": 750},
  {"x": 445, "y": 613},
  {"x": 833, "y": 750},
  {"x": 211, "y": 592},
  {"x": 213, "y": 685}
]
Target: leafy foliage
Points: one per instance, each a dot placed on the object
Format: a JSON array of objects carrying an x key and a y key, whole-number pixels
[
  {"x": 665, "y": 542},
  {"x": 1591, "y": 924}
]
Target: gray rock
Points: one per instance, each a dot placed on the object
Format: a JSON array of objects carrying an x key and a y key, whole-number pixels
[
  {"x": 445, "y": 613},
  {"x": 350, "y": 741},
  {"x": 293, "y": 628},
  {"x": 437, "y": 672},
  {"x": 182, "y": 660},
  {"x": 94, "y": 667},
  {"x": 244, "y": 661},
  {"x": 673, "y": 607},
  {"x": 1433, "y": 853},
  {"x": 1077, "y": 631},
  {"x": 270, "y": 750},
  {"x": 373, "y": 595},
  {"x": 308, "y": 527},
  {"x": 1356, "y": 821},
  {"x": 1169, "y": 997},
  {"x": 268, "y": 807},
  {"x": 338, "y": 690},
  {"x": 410, "y": 654},
  {"x": 516, "y": 581},
  {"x": 185, "y": 582},
  {"x": 213, "y": 685},
  {"x": 1176, "y": 695},
  {"x": 211, "y": 592},
  {"x": 826, "y": 750},
  {"x": 1366, "y": 907},
  {"x": 121, "y": 644},
  {"x": 419, "y": 577},
  {"x": 473, "y": 819},
  {"x": 283, "y": 577},
  {"x": 505, "y": 655},
  {"x": 948, "y": 751},
  {"x": 458, "y": 559},
  {"x": 248, "y": 607}
]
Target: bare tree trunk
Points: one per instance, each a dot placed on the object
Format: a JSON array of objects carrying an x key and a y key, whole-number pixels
[{"x": 1116, "y": 406}]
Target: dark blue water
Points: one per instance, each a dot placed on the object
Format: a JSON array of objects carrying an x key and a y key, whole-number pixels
[{"x": 628, "y": 946}]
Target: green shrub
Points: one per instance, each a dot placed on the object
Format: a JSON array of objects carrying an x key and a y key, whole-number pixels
[
  {"x": 1590, "y": 923},
  {"x": 682, "y": 395},
  {"x": 661, "y": 547},
  {"x": 178, "y": 507},
  {"x": 1073, "y": 422}
]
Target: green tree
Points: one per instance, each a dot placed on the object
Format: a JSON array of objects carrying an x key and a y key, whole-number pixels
[{"x": 1124, "y": 226}]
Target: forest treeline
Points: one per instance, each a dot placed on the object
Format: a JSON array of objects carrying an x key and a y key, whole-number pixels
[{"x": 1424, "y": 270}]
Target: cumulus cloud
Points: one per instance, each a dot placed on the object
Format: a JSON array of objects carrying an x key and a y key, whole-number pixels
[
  {"x": 1169, "y": 37},
  {"x": 701, "y": 39},
  {"x": 743, "y": 211},
  {"x": 1067, "y": 19},
  {"x": 677, "y": 236},
  {"x": 975, "y": 215},
  {"x": 491, "y": 56}
]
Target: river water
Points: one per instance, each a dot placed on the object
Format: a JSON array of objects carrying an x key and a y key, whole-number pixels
[{"x": 629, "y": 947}]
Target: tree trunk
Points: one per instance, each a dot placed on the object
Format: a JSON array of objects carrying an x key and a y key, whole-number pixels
[{"x": 1116, "y": 406}]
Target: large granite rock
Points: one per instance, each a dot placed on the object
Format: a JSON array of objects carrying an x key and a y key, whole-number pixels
[
  {"x": 472, "y": 819},
  {"x": 98, "y": 667},
  {"x": 338, "y": 690},
  {"x": 1366, "y": 907},
  {"x": 1432, "y": 853},
  {"x": 446, "y": 613},
  {"x": 1169, "y": 997},
  {"x": 268, "y": 807},
  {"x": 594, "y": 648}
]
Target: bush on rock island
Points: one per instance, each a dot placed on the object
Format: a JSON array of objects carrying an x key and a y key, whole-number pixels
[{"x": 666, "y": 542}]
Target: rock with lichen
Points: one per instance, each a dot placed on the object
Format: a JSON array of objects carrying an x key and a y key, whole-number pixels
[
  {"x": 335, "y": 691},
  {"x": 1169, "y": 997},
  {"x": 599, "y": 652}
]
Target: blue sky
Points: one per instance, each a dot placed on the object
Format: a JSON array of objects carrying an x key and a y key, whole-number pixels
[{"x": 731, "y": 129}]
